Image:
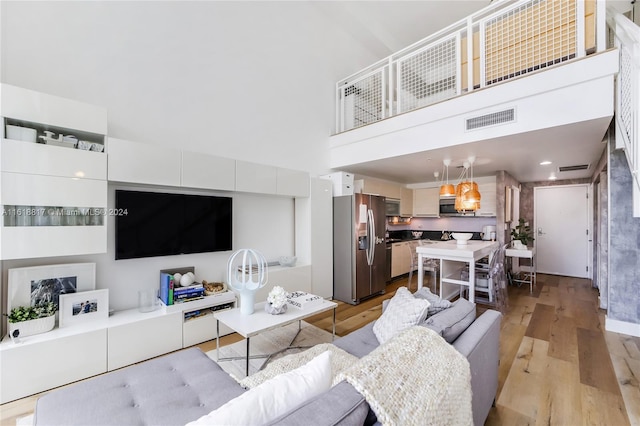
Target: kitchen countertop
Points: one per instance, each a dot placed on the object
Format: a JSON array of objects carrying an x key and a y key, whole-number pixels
[
  {"x": 406, "y": 235},
  {"x": 472, "y": 250}
]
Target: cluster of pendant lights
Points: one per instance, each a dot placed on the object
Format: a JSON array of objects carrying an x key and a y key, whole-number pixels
[{"x": 466, "y": 191}]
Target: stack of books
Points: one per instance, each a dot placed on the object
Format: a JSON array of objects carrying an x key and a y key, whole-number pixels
[
  {"x": 171, "y": 293},
  {"x": 302, "y": 300}
]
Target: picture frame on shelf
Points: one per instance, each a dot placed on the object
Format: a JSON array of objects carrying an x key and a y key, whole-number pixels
[
  {"x": 83, "y": 307},
  {"x": 31, "y": 285}
]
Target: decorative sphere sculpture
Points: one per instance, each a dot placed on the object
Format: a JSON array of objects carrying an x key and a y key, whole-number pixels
[{"x": 246, "y": 273}]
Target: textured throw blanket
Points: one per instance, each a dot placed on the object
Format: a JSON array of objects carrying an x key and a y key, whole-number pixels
[
  {"x": 416, "y": 378},
  {"x": 340, "y": 361}
]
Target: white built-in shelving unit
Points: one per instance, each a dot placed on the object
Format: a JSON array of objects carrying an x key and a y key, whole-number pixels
[
  {"x": 126, "y": 337},
  {"x": 64, "y": 190},
  {"x": 51, "y": 193}
]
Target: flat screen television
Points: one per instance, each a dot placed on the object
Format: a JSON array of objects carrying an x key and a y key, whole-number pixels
[{"x": 160, "y": 224}]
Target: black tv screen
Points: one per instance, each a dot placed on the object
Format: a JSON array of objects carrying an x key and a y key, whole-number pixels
[{"x": 160, "y": 224}]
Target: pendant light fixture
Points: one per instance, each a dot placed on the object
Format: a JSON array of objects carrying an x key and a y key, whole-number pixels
[
  {"x": 464, "y": 203},
  {"x": 473, "y": 195},
  {"x": 447, "y": 190}
]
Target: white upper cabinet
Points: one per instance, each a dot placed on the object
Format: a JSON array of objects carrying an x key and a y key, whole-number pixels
[
  {"x": 48, "y": 160},
  {"x": 406, "y": 201},
  {"x": 488, "y": 199},
  {"x": 137, "y": 162},
  {"x": 208, "y": 172},
  {"x": 256, "y": 178},
  {"x": 41, "y": 108},
  {"x": 426, "y": 202},
  {"x": 292, "y": 182}
]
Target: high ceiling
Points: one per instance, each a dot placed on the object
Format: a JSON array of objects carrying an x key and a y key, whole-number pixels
[{"x": 386, "y": 27}]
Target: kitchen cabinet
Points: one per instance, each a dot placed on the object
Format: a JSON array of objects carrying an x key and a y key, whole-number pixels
[
  {"x": 426, "y": 202},
  {"x": 378, "y": 187},
  {"x": 400, "y": 259},
  {"x": 488, "y": 200},
  {"x": 51, "y": 193},
  {"x": 406, "y": 201}
]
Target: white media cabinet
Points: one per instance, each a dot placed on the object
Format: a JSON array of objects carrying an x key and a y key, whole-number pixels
[{"x": 64, "y": 355}]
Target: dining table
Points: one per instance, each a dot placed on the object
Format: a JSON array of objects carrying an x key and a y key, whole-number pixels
[{"x": 454, "y": 259}]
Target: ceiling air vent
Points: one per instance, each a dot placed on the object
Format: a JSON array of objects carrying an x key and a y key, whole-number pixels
[
  {"x": 573, "y": 168},
  {"x": 500, "y": 117}
]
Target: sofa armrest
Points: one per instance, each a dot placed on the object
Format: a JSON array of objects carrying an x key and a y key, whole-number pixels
[{"x": 480, "y": 343}]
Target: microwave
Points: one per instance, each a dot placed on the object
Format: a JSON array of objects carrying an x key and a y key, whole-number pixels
[
  {"x": 392, "y": 207},
  {"x": 448, "y": 208}
]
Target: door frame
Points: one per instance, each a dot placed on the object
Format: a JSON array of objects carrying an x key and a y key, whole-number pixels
[{"x": 589, "y": 205}]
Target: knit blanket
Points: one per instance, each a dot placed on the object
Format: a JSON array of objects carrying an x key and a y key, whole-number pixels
[
  {"x": 340, "y": 361},
  {"x": 416, "y": 378}
]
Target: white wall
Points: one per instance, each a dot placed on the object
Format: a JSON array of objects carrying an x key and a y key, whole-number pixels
[{"x": 246, "y": 80}]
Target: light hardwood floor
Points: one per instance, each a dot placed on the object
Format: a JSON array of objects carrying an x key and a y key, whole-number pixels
[{"x": 557, "y": 364}]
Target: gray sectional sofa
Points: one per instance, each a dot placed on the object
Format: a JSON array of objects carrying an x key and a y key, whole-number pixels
[{"x": 185, "y": 385}]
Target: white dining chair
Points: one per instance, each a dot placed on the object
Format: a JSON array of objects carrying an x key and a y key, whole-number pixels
[{"x": 430, "y": 265}]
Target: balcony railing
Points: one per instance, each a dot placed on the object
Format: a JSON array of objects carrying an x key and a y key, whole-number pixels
[{"x": 505, "y": 40}]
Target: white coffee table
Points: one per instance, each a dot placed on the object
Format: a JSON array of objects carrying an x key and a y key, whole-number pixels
[{"x": 260, "y": 321}]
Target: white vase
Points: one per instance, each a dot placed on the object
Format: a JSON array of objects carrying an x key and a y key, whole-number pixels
[
  {"x": 517, "y": 244},
  {"x": 270, "y": 309},
  {"x": 31, "y": 327}
]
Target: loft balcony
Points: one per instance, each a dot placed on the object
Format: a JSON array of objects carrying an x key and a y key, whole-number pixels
[
  {"x": 508, "y": 39},
  {"x": 515, "y": 76}
]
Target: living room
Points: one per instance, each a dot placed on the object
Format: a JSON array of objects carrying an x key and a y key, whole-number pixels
[{"x": 207, "y": 77}]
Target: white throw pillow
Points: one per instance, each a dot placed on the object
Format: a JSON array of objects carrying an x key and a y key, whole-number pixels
[
  {"x": 402, "y": 312},
  {"x": 275, "y": 397}
]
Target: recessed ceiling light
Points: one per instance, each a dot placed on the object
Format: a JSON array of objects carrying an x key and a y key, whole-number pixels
[
  {"x": 552, "y": 176},
  {"x": 545, "y": 163}
]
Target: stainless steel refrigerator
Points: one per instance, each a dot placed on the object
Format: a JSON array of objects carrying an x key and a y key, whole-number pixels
[{"x": 359, "y": 256}]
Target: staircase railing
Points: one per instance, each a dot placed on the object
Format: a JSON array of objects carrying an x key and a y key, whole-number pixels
[
  {"x": 626, "y": 37},
  {"x": 505, "y": 40}
]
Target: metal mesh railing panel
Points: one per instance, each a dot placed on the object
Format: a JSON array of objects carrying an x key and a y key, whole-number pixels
[
  {"x": 363, "y": 101},
  {"x": 428, "y": 75},
  {"x": 625, "y": 110},
  {"x": 529, "y": 37}
]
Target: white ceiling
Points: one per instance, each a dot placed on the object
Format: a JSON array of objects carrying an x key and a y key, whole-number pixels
[
  {"x": 520, "y": 155},
  {"x": 386, "y": 27}
]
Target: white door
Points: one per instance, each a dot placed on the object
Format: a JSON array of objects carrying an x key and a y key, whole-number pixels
[{"x": 561, "y": 230}]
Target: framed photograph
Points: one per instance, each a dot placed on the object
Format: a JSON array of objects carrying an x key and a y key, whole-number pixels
[
  {"x": 33, "y": 285},
  {"x": 82, "y": 307}
]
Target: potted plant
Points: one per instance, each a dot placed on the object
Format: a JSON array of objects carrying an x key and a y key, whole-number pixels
[
  {"x": 30, "y": 320},
  {"x": 521, "y": 235}
]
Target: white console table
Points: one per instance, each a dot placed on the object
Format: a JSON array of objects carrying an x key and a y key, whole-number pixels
[{"x": 530, "y": 273}]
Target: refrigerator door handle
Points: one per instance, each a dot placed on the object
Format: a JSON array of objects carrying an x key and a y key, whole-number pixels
[{"x": 371, "y": 237}]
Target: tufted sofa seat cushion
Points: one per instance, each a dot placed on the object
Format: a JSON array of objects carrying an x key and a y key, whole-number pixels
[{"x": 170, "y": 390}]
